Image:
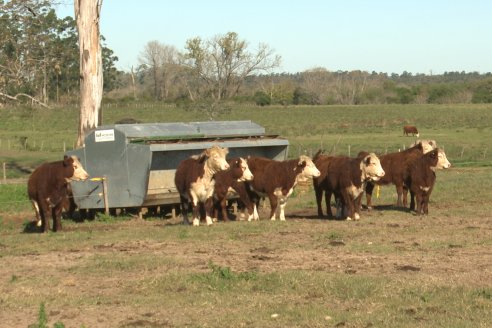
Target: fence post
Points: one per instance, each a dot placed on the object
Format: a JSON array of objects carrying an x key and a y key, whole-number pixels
[
  {"x": 105, "y": 195},
  {"x": 349, "y": 150},
  {"x": 4, "y": 172}
]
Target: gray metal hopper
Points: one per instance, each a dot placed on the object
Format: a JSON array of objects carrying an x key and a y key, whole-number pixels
[{"x": 138, "y": 161}]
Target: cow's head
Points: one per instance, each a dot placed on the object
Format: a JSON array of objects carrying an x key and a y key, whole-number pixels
[
  {"x": 240, "y": 169},
  {"x": 78, "y": 170},
  {"x": 442, "y": 160},
  {"x": 307, "y": 168},
  {"x": 371, "y": 168},
  {"x": 216, "y": 158},
  {"x": 426, "y": 145}
]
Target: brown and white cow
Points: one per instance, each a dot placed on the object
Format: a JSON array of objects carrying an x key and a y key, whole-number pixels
[
  {"x": 277, "y": 180},
  {"x": 48, "y": 189},
  {"x": 227, "y": 184},
  {"x": 422, "y": 177},
  {"x": 410, "y": 129},
  {"x": 345, "y": 177},
  {"x": 395, "y": 166},
  {"x": 194, "y": 179}
]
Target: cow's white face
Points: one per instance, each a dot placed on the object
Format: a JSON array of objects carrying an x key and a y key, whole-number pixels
[
  {"x": 78, "y": 170},
  {"x": 247, "y": 175},
  {"x": 217, "y": 158},
  {"x": 442, "y": 160},
  {"x": 371, "y": 168},
  {"x": 427, "y": 145},
  {"x": 310, "y": 170}
]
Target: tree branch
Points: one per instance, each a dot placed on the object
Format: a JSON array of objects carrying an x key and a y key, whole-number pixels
[{"x": 16, "y": 98}]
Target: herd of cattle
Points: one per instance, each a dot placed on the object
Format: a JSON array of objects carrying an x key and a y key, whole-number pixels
[{"x": 205, "y": 182}]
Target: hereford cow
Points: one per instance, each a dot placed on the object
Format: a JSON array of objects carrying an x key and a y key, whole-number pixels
[
  {"x": 422, "y": 178},
  {"x": 195, "y": 182},
  {"x": 277, "y": 180},
  {"x": 345, "y": 177},
  {"x": 395, "y": 166},
  {"x": 48, "y": 189},
  {"x": 227, "y": 183},
  {"x": 410, "y": 129}
]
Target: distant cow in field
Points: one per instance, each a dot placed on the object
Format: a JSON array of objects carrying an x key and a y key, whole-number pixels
[
  {"x": 195, "y": 182},
  {"x": 345, "y": 177},
  {"x": 395, "y": 166},
  {"x": 277, "y": 180},
  {"x": 410, "y": 129},
  {"x": 422, "y": 177},
  {"x": 228, "y": 182},
  {"x": 48, "y": 189}
]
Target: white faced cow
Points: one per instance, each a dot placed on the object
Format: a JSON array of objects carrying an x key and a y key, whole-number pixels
[
  {"x": 195, "y": 182},
  {"x": 48, "y": 189},
  {"x": 277, "y": 180},
  {"x": 422, "y": 177},
  {"x": 345, "y": 177}
]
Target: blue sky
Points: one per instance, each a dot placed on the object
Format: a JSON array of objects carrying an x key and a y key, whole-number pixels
[{"x": 389, "y": 36}]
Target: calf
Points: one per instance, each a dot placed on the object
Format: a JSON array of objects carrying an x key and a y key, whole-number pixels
[
  {"x": 345, "y": 177},
  {"x": 410, "y": 129},
  {"x": 422, "y": 177},
  {"x": 395, "y": 166},
  {"x": 277, "y": 180},
  {"x": 227, "y": 184},
  {"x": 195, "y": 182},
  {"x": 48, "y": 189}
]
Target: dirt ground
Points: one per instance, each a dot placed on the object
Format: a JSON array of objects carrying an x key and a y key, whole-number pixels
[{"x": 304, "y": 242}]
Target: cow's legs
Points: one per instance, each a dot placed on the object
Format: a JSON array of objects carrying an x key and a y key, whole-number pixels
[
  {"x": 328, "y": 194},
  {"x": 36, "y": 210},
  {"x": 412, "y": 201},
  {"x": 349, "y": 203},
  {"x": 282, "y": 202},
  {"x": 273, "y": 206},
  {"x": 45, "y": 216},
  {"x": 319, "y": 198},
  {"x": 56, "y": 213},
  {"x": 405, "y": 196},
  {"x": 425, "y": 203},
  {"x": 185, "y": 204},
  {"x": 208, "y": 206},
  {"x": 418, "y": 199},
  {"x": 399, "y": 191}
]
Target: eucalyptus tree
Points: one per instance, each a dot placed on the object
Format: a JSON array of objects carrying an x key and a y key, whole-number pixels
[{"x": 87, "y": 14}]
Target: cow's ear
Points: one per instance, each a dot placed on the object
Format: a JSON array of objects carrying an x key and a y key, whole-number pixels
[{"x": 67, "y": 160}]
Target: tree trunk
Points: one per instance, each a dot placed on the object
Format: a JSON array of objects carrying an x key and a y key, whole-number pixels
[{"x": 87, "y": 14}]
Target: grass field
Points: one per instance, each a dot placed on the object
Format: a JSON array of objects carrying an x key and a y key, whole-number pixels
[{"x": 390, "y": 269}]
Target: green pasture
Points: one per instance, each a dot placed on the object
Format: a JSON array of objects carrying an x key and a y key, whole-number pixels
[{"x": 30, "y": 136}]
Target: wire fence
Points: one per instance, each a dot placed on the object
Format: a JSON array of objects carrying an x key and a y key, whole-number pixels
[{"x": 35, "y": 145}]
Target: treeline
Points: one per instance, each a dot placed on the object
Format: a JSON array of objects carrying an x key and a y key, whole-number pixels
[
  {"x": 39, "y": 63},
  {"x": 322, "y": 87},
  {"x": 39, "y": 54}
]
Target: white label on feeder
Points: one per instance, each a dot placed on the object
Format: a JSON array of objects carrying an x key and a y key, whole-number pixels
[{"x": 104, "y": 135}]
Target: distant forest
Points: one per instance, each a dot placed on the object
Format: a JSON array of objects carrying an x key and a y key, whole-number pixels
[{"x": 39, "y": 64}]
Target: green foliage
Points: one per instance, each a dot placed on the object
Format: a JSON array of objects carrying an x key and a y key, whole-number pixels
[
  {"x": 482, "y": 92},
  {"x": 40, "y": 49},
  {"x": 302, "y": 97},
  {"x": 261, "y": 98},
  {"x": 42, "y": 317}
]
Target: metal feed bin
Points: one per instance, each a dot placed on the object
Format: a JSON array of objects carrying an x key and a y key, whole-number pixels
[{"x": 138, "y": 161}]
